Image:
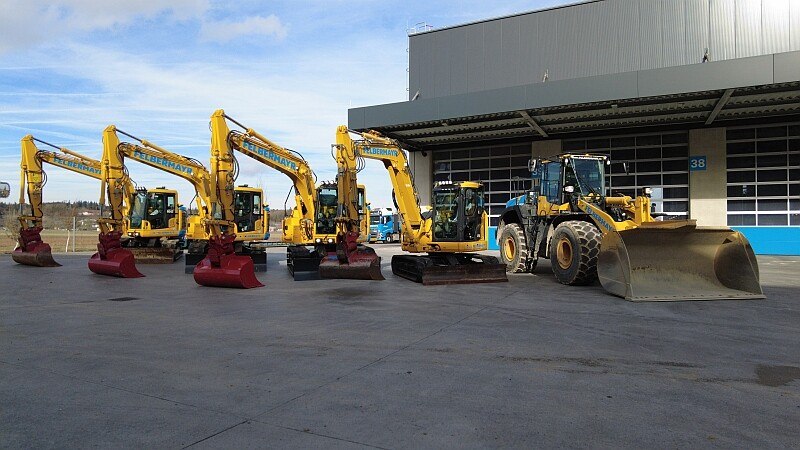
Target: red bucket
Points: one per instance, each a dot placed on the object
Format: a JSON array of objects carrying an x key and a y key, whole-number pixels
[
  {"x": 37, "y": 255},
  {"x": 119, "y": 262},
  {"x": 234, "y": 272}
]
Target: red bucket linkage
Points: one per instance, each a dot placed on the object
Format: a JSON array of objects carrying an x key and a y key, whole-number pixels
[
  {"x": 223, "y": 268},
  {"x": 111, "y": 259},
  {"x": 31, "y": 251}
]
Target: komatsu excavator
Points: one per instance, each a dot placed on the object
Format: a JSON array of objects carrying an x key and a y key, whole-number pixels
[
  {"x": 310, "y": 228},
  {"x": 451, "y": 234},
  {"x": 251, "y": 220},
  {"x": 31, "y": 250},
  {"x": 570, "y": 216}
]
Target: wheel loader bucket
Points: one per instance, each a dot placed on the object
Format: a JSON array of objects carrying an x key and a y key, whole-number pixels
[
  {"x": 672, "y": 261},
  {"x": 234, "y": 271},
  {"x": 39, "y": 255},
  {"x": 364, "y": 266},
  {"x": 118, "y": 262}
]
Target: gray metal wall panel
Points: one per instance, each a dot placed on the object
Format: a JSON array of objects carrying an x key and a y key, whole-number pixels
[
  {"x": 566, "y": 63},
  {"x": 530, "y": 67},
  {"x": 355, "y": 118},
  {"x": 475, "y": 58},
  {"x": 588, "y": 51},
  {"x": 697, "y": 38},
  {"x": 722, "y": 32},
  {"x": 441, "y": 63},
  {"x": 702, "y": 77},
  {"x": 650, "y": 34},
  {"x": 608, "y": 47},
  {"x": 674, "y": 32},
  {"x": 458, "y": 61},
  {"x": 549, "y": 54},
  {"x": 427, "y": 70},
  {"x": 748, "y": 28},
  {"x": 582, "y": 90},
  {"x": 627, "y": 35},
  {"x": 794, "y": 25},
  {"x": 510, "y": 54},
  {"x": 493, "y": 51},
  {"x": 414, "y": 66},
  {"x": 787, "y": 67},
  {"x": 775, "y": 26}
]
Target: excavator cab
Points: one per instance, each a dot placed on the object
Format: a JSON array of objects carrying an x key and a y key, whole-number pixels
[
  {"x": 153, "y": 210},
  {"x": 248, "y": 211},
  {"x": 457, "y": 212},
  {"x": 327, "y": 202}
]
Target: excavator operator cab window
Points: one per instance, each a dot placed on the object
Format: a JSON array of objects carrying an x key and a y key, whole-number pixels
[
  {"x": 362, "y": 201},
  {"x": 445, "y": 214},
  {"x": 473, "y": 212},
  {"x": 171, "y": 209},
  {"x": 327, "y": 199},
  {"x": 589, "y": 175},
  {"x": 246, "y": 210}
]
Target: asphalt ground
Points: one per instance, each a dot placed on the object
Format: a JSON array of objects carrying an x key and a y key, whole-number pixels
[{"x": 159, "y": 362}]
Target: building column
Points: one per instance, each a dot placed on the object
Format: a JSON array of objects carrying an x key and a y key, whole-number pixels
[
  {"x": 708, "y": 192},
  {"x": 543, "y": 149},
  {"x": 421, "y": 165}
]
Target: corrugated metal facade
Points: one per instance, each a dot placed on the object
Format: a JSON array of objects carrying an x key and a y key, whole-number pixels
[{"x": 597, "y": 38}]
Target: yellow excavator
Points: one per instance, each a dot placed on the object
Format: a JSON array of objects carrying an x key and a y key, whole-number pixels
[
  {"x": 570, "y": 216},
  {"x": 31, "y": 250},
  {"x": 450, "y": 234},
  {"x": 251, "y": 220},
  {"x": 309, "y": 228}
]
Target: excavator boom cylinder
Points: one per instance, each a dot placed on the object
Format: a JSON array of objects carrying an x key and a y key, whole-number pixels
[{"x": 662, "y": 261}]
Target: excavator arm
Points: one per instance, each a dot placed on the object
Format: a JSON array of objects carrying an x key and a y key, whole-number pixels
[
  {"x": 258, "y": 147},
  {"x": 31, "y": 250}
]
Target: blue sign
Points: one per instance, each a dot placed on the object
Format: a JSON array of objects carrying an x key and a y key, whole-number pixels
[{"x": 697, "y": 163}]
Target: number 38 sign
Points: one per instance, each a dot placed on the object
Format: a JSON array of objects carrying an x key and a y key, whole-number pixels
[{"x": 697, "y": 163}]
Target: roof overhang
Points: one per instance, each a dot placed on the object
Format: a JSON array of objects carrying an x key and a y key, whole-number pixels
[{"x": 698, "y": 95}]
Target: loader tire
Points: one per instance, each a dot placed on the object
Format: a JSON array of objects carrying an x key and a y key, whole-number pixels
[
  {"x": 514, "y": 248},
  {"x": 573, "y": 252}
]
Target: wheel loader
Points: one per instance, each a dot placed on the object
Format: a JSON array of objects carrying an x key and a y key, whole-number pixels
[{"x": 570, "y": 216}]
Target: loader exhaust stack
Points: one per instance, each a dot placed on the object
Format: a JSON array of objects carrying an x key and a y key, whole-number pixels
[
  {"x": 675, "y": 260},
  {"x": 113, "y": 260},
  {"x": 223, "y": 268},
  {"x": 31, "y": 251}
]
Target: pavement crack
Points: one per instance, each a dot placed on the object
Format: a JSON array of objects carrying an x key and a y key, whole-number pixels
[{"x": 216, "y": 434}]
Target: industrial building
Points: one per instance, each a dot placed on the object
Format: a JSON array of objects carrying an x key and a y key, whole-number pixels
[{"x": 701, "y": 99}]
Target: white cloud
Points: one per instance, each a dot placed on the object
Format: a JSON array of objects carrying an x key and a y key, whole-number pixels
[
  {"x": 224, "y": 31},
  {"x": 27, "y": 23}
]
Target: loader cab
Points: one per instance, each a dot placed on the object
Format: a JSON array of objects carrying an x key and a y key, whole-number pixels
[
  {"x": 157, "y": 207},
  {"x": 563, "y": 179},
  {"x": 248, "y": 208},
  {"x": 458, "y": 211}
]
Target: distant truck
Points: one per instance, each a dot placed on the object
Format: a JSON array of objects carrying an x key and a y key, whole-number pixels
[{"x": 384, "y": 225}]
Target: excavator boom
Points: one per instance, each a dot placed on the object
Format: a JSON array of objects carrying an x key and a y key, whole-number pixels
[{"x": 31, "y": 250}]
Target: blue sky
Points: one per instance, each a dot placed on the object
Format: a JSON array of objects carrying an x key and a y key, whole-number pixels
[{"x": 158, "y": 68}]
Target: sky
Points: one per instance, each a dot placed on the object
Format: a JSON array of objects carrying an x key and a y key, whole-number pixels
[{"x": 158, "y": 69}]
